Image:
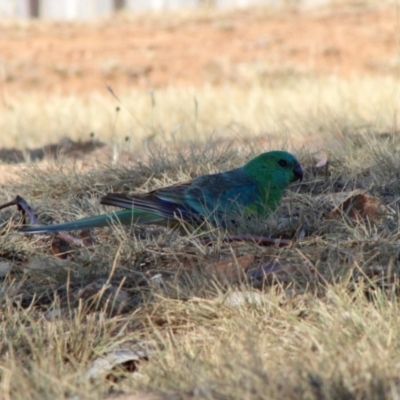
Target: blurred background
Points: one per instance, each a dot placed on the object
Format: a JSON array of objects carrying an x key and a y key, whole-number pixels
[
  {"x": 126, "y": 72},
  {"x": 75, "y": 9}
]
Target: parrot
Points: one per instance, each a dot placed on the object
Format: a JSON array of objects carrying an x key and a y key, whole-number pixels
[{"x": 255, "y": 188}]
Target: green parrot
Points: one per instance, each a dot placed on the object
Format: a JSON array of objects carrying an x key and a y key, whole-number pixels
[{"x": 256, "y": 188}]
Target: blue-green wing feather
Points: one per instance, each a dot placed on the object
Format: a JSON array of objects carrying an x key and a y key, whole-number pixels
[
  {"x": 210, "y": 196},
  {"x": 223, "y": 196}
]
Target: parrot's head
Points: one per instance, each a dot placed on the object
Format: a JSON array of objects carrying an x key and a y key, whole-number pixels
[{"x": 275, "y": 169}]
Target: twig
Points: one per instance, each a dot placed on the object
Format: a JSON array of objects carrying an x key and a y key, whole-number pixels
[
  {"x": 261, "y": 240},
  {"x": 23, "y": 206},
  {"x": 73, "y": 240}
]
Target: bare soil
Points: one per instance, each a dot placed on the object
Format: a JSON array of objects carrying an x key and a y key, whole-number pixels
[{"x": 193, "y": 49}]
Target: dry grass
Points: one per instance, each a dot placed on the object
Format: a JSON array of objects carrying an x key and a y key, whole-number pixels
[
  {"x": 325, "y": 329},
  {"x": 301, "y": 109}
]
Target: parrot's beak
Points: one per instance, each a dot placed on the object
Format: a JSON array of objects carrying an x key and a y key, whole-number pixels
[{"x": 298, "y": 172}]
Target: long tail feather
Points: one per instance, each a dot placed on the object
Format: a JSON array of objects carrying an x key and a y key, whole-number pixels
[{"x": 125, "y": 217}]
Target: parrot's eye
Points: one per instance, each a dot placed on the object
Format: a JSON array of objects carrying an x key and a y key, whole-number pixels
[{"x": 283, "y": 163}]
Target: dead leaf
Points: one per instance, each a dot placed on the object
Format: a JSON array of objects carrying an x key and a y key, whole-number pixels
[
  {"x": 238, "y": 298},
  {"x": 60, "y": 247},
  {"x": 232, "y": 269},
  {"x": 106, "y": 363},
  {"x": 87, "y": 238},
  {"x": 361, "y": 206},
  {"x": 323, "y": 159},
  {"x": 274, "y": 267}
]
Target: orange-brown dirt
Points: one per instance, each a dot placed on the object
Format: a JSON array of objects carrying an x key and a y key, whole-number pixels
[
  {"x": 191, "y": 49},
  {"x": 149, "y": 52}
]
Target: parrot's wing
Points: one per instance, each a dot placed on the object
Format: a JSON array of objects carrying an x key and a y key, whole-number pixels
[
  {"x": 168, "y": 202},
  {"x": 217, "y": 197},
  {"x": 222, "y": 197}
]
